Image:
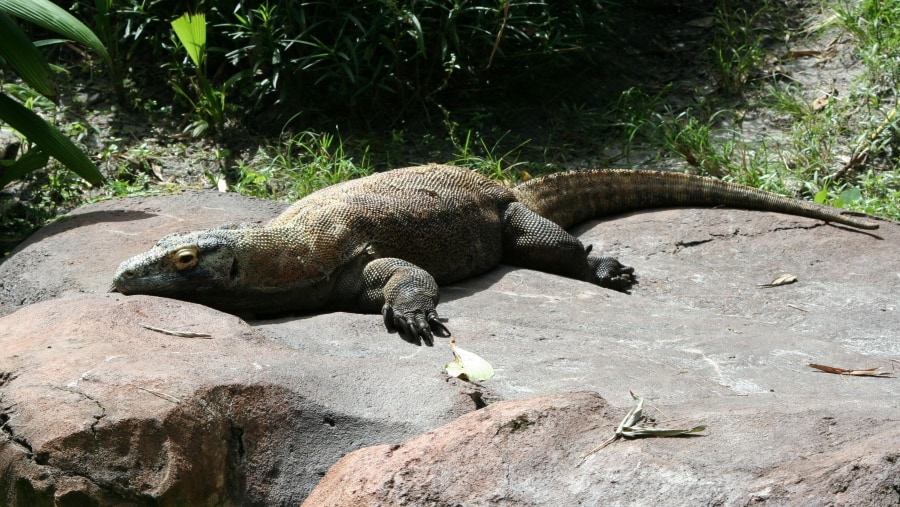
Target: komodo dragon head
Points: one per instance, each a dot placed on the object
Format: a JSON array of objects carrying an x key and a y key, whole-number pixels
[
  {"x": 233, "y": 268},
  {"x": 180, "y": 264}
]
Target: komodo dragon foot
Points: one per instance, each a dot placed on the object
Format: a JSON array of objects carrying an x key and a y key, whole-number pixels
[
  {"x": 416, "y": 327},
  {"x": 609, "y": 273}
]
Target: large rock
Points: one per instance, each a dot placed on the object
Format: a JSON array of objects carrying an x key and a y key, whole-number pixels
[
  {"x": 547, "y": 450},
  {"x": 95, "y": 406}
]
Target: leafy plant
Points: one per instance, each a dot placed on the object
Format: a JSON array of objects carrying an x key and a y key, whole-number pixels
[
  {"x": 25, "y": 59},
  {"x": 210, "y": 103},
  {"x": 876, "y": 26}
]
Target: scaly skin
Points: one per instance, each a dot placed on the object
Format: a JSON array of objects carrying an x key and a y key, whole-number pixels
[{"x": 385, "y": 242}]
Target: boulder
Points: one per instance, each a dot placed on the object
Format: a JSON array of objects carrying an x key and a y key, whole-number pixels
[
  {"x": 548, "y": 450},
  {"x": 98, "y": 405}
]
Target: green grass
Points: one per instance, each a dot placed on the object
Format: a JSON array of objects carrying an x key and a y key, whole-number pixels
[
  {"x": 842, "y": 152},
  {"x": 300, "y": 165}
]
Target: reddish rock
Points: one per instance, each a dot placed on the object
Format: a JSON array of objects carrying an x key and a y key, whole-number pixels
[
  {"x": 96, "y": 408},
  {"x": 543, "y": 451}
]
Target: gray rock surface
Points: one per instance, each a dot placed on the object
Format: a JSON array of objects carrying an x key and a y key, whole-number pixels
[{"x": 95, "y": 406}]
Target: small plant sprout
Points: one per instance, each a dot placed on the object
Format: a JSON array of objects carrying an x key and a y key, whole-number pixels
[{"x": 210, "y": 104}]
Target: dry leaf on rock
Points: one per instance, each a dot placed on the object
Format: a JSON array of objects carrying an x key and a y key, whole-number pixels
[
  {"x": 634, "y": 426},
  {"x": 869, "y": 372},
  {"x": 781, "y": 280},
  {"x": 468, "y": 365}
]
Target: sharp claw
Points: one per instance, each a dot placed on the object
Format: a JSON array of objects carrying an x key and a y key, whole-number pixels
[
  {"x": 406, "y": 329},
  {"x": 426, "y": 337},
  {"x": 417, "y": 328},
  {"x": 610, "y": 273},
  {"x": 437, "y": 326},
  {"x": 387, "y": 313}
]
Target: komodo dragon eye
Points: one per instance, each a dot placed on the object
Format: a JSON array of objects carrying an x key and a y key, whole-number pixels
[{"x": 186, "y": 258}]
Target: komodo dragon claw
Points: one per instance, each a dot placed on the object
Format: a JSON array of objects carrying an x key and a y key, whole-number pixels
[{"x": 415, "y": 327}]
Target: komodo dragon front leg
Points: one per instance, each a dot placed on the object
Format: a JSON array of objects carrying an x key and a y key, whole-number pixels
[
  {"x": 406, "y": 295},
  {"x": 531, "y": 241}
]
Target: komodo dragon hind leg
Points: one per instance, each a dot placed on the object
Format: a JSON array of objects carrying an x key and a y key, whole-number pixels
[
  {"x": 531, "y": 241},
  {"x": 407, "y": 295}
]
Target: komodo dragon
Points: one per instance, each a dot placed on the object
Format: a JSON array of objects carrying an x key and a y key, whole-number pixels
[{"x": 385, "y": 242}]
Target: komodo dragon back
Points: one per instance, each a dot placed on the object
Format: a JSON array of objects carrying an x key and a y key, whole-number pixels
[{"x": 383, "y": 243}]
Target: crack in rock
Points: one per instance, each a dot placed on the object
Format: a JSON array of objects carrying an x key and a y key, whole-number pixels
[{"x": 5, "y": 417}]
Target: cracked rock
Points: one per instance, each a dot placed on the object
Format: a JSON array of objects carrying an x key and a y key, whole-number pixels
[{"x": 97, "y": 408}]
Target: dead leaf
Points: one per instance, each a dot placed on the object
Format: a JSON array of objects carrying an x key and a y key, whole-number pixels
[
  {"x": 634, "y": 425},
  {"x": 707, "y": 22},
  {"x": 157, "y": 171},
  {"x": 870, "y": 372},
  {"x": 800, "y": 54},
  {"x": 784, "y": 279},
  {"x": 159, "y": 394},
  {"x": 182, "y": 334},
  {"x": 468, "y": 365},
  {"x": 820, "y": 103}
]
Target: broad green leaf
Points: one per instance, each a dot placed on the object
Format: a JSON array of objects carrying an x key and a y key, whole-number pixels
[
  {"x": 34, "y": 159},
  {"x": 24, "y": 58},
  {"x": 48, "y": 139},
  {"x": 52, "y": 17},
  {"x": 468, "y": 365},
  {"x": 821, "y": 195},
  {"x": 851, "y": 195},
  {"x": 191, "y": 31}
]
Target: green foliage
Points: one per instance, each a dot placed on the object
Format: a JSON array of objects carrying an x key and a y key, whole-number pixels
[
  {"x": 487, "y": 160},
  {"x": 876, "y": 25},
  {"x": 191, "y": 31},
  {"x": 210, "y": 102},
  {"x": 300, "y": 165},
  {"x": 736, "y": 49},
  {"x": 378, "y": 56},
  {"x": 357, "y": 52},
  {"x": 19, "y": 53}
]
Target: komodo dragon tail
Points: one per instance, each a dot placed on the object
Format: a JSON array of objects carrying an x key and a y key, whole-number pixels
[{"x": 568, "y": 198}]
